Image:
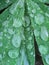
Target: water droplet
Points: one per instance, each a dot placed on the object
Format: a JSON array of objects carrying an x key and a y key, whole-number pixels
[
  {"x": 32, "y": 53},
  {"x": 13, "y": 53},
  {"x": 8, "y": 60},
  {"x": 1, "y": 57},
  {"x": 36, "y": 32},
  {"x": 17, "y": 22},
  {"x": 44, "y": 33},
  {"x": 33, "y": 11},
  {"x": 28, "y": 8},
  {"x": 16, "y": 41},
  {"x": 47, "y": 59},
  {"x": 31, "y": 15},
  {"x": 29, "y": 46},
  {"x": 28, "y": 29},
  {"x": 30, "y": 38},
  {"x": 39, "y": 19},
  {"x": 43, "y": 49}
]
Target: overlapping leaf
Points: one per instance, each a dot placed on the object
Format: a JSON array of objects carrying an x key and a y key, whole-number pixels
[
  {"x": 40, "y": 21},
  {"x": 16, "y": 38}
]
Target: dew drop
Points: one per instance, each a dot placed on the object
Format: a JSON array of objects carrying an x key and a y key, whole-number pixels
[
  {"x": 36, "y": 32},
  {"x": 28, "y": 29},
  {"x": 39, "y": 19},
  {"x": 32, "y": 53},
  {"x": 43, "y": 49},
  {"x": 29, "y": 46},
  {"x": 13, "y": 53},
  {"x": 33, "y": 11},
  {"x": 30, "y": 38},
  {"x": 31, "y": 15},
  {"x": 17, "y": 23},
  {"x": 28, "y": 8},
  {"x": 44, "y": 33},
  {"x": 47, "y": 59},
  {"x": 16, "y": 41}
]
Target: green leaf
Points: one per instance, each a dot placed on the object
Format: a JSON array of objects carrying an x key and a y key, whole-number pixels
[
  {"x": 6, "y": 3},
  {"x": 19, "y": 22},
  {"x": 40, "y": 22},
  {"x": 14, "y": 40}
]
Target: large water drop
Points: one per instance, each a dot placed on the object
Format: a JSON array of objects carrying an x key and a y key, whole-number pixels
[
  {"x": 16, "y": 41},
  {"x": 29, "y": 46},
  {"x": 36, "y": 32},
  {"x": 43, "y": 49},
  {"x": 39, "y": 19},
  {"x": 13, "y": 53},
  {"x": 44, "y": 33}
]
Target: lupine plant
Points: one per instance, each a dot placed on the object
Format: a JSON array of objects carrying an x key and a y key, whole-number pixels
[{"x": 20, "y": 22}]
